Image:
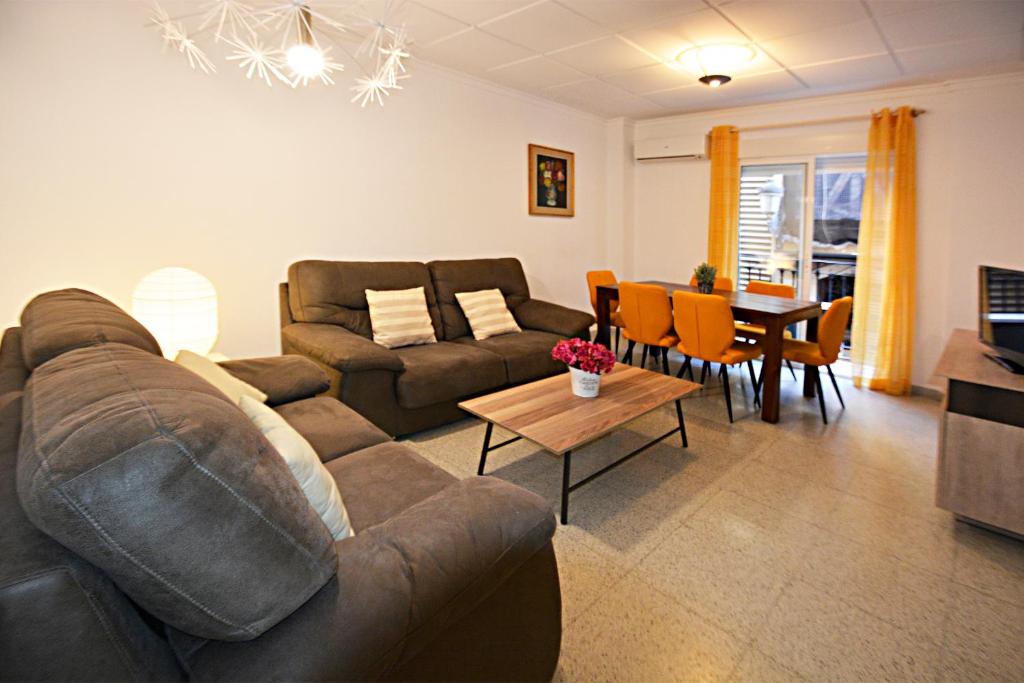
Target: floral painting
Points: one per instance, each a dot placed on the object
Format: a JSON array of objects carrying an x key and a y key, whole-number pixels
[{"x": 552, "y": 181}]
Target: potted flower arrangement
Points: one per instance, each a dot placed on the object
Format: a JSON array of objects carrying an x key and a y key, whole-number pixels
[
  {"x": 587, "y": 361},
  {"x": 705, "y": 276}
]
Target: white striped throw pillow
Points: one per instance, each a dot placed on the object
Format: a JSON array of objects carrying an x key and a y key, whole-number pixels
[
  {"x": 399, "y": 317},
  {"x": 487, "y": 313}
]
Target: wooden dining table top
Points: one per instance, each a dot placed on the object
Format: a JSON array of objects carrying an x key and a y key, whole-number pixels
[{"x": 748, "y": 306}]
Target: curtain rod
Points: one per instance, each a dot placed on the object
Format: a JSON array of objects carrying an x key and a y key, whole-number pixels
[{"x": 818, "y": 122}]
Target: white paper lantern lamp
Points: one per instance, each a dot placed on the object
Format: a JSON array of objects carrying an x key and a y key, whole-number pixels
[{"x": 179, "y": 306}]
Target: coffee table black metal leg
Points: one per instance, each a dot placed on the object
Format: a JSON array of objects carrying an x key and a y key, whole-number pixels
[
  {"x": 682, "y": 425},
  {"x": 487, "y": 447},
  {"x": 566, "y": 466}
]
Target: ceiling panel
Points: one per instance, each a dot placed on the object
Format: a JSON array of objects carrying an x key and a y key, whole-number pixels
[
  {"x": 769, "y": 19},
  {"x": 473, "y": 51},
  {"x": 544, "y": 27},
  {"x": 688, "y": 98},
  {"x": 1006, "y": 50},
  {"x": 861, "y": 70},
  {"x": 941, "y": 24},
  {"x": 429, "y": 25},
  {"x": 621, "y": 15},
  {"x": 604, "y": 56},
  {"x": 535, "y": 74},
  {"x": 651, "y": 78},
  {"x": 672, "y": 37},
  {"x": 476, "y": 11},
  {"x": 859, "y": 39}
]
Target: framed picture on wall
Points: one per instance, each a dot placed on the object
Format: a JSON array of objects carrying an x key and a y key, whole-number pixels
[{"x": 552, "y": 181}]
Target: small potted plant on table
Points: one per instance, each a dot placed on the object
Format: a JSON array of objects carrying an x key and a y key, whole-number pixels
[
  {"x": 587, "y": 361},
  {"x": 704, "y": 274}
]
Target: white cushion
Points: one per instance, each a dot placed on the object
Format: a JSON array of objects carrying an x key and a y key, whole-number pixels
[
  {"x": 487, "y": 313},
  {"x": 230, "y": 386},
  {"x": 313, "y": 477},
  {"x": 399, "y": 317}
]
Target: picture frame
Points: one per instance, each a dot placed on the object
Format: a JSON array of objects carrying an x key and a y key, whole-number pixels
[{"x": 552, "y": 181}]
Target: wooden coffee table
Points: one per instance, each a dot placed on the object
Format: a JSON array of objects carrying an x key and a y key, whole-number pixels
[{"x": 547, "y": 413}]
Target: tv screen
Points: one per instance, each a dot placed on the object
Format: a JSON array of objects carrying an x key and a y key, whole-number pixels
[{"x": 1001, "y": 311}]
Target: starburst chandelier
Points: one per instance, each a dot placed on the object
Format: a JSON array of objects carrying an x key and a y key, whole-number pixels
[{"x": 295, "y": 42}]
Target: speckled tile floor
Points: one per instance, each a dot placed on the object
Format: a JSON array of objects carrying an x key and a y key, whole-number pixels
[{"x": 795, "y": 551}]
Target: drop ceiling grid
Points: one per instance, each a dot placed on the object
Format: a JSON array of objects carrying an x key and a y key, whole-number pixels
[{"x": 618, "y": 51}]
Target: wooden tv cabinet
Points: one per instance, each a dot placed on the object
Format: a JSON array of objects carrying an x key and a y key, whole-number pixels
[{"x": 980, "y": 476}]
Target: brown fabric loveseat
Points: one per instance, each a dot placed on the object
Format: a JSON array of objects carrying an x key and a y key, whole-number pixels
[
  {"x": 150, "y": 532},
  {"x": 324, "y": 317}
]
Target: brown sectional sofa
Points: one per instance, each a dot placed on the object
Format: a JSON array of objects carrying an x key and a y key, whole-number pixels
[
  {"x": 150, "y": 532},
  {"x": 324, "y": 317}
]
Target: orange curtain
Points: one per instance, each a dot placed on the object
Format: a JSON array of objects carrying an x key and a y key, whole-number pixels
[
  {"x": 724, "y": 215},
  {"x": 883, "y": 296}
]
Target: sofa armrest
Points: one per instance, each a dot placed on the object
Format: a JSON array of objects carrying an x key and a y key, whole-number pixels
[
  {"x": 400, "y": 585},
  {"x": 535, "y": 314},
  {"x": 282, "y": 378},
  {"x": 340, "y": 349}
]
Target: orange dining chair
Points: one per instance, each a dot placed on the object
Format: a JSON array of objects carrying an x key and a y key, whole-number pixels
[
  {"x": 721, "y": 283},
  {"x": 707, "y": 331},
  {"x": 825, "y": 351},
  {"x": 596, "y": 278},
  {"x": 646, "y": 319},
  {"x": 753, "y": 331}
]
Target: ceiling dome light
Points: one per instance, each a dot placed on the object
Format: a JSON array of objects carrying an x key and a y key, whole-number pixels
[
  {"x": 305, "y": 60},
  {"x": 711, "y": 62}
]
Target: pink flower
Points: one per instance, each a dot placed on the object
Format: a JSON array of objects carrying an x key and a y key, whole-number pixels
[{"x": 585, "y": 355}]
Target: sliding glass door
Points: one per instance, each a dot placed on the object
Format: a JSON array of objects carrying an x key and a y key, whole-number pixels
[{"x": 772, "y": 218}]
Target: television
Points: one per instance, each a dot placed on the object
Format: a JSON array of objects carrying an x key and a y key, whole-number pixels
[{"x": 1001, "y": 315}]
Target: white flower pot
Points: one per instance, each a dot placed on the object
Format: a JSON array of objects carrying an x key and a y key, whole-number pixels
[{"x": 585, "y": 384}]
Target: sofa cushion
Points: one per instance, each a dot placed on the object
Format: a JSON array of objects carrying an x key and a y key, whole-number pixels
[
  {"x": 487, "y": 313},
  {"x": 56, "y": 322},
  {"x": 335, "y": 291},
  {"x": 13, "y": 372},
  {"x": 399, "y": 317},
  {"x": 472, "y": 275},
  {"x": 444, "y": 372},
  {"x": 331, "y": 427},
  {"x": 379, "y": 482},
  {"x": 282, "y": 378},
  {"x": 231, "y": 386},
  {"x": 151, "y": 474},
  {"x": 527, "y": 355}
]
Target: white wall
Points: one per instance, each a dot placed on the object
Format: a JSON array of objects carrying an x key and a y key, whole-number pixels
[
  {"x": 116, "y": 159},
  {"x": 970, "y": 200}
]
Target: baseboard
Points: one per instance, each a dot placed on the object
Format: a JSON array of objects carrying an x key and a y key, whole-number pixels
[{"x": 926, "y": 392}]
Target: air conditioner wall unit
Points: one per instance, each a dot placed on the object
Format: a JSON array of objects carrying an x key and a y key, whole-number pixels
[{"x": 687, "y": 147}]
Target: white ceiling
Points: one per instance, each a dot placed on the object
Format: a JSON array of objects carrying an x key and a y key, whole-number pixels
[{"x": 614, "y": 57}]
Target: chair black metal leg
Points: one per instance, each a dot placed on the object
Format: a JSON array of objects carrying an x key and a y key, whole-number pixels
[
  {"x": 684, "y": 367},
  {"x": 627, "y": 357},
  {"x": 835, "y": 385},
  {"x": 689, "y": 367},
  {"x": 817, "y": 386},
  {"x": 703, "y": 372},
  {"x": 664, "y": 359},
  {"x": 487, "y": 447},
  {"x": 724, "y": 374},
  {"x": 753, "y": 383},
  {"x": 618, "y": 332},
  {"x": 791, "y": 370},
  {"x": 566, "y": 467},
  {"x": 643, "y": 358},
  {"x": 682, "y": 424}
]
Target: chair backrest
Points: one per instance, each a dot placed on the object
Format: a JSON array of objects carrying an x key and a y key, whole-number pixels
[
  {"x": 833, "y": 326},
  {"x": 646, "y": 312},
  {"x": 771, "y": 289},
  {"x": 596, "y": 278},
  {"x": 704, "y": 324},
  {"x": 721, "y": 283}
]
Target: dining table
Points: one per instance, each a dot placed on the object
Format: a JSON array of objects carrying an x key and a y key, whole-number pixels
[{"x": 774, "y": 312}]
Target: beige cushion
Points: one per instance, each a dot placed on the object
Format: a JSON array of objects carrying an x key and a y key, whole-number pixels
[
  {"x": 399, "y": 317},
  {"x": 229, "y": 385},
  {"x": 487, "y": 313},
  {"x": 314, "y": 479}
]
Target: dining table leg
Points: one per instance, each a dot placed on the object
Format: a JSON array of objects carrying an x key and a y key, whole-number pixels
[
  {"x": 771, "y": 370},
  {"x": 604, "y": 334},
  {"x": 812, "y": 335}
]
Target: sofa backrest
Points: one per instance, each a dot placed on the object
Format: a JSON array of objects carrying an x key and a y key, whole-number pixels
[
  {"x": 151, "y": 474},
  {"x": 472, "y": 275},
  {"x": 66, "y": 319},
  {"x": 335, "y": 291}
]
